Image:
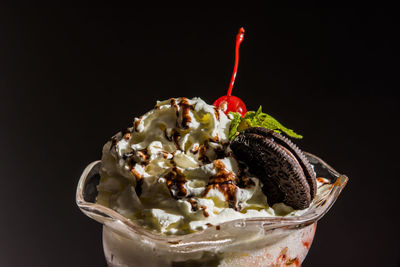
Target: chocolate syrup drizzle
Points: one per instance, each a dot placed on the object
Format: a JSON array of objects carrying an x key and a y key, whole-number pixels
[
  {"x": 185, "y": 106},
  {"x": 216, "y": 112},
  {"x": 139, "y": 181},
  {"x": 225, "y": 181},
  {"x": 202, "y": 153}
]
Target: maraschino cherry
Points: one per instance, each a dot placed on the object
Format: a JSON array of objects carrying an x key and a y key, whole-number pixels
[{"x": 229, "y": 102}]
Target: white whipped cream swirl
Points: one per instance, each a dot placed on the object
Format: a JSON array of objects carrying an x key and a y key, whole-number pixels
[{"x": 172, "y": 171}]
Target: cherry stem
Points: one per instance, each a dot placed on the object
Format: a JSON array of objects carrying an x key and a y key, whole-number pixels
[{"x": 239, "y": 39}]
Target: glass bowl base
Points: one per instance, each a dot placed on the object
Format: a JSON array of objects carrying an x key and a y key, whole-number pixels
[{"x": 287, "y": 251}]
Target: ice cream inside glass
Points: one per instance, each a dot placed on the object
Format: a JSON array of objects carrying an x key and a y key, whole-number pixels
[{"x": 169, "y": 191}]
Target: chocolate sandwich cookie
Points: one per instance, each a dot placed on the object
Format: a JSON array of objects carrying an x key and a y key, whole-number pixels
[{"x": 286, "y": 174}]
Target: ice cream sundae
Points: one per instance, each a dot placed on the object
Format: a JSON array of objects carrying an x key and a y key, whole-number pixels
[
  {"x": 171, "y": 184},
  {"x": 177, "y": 171}
]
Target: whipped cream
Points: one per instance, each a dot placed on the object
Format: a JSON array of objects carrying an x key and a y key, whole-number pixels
[{"x": 173, "y": 172}]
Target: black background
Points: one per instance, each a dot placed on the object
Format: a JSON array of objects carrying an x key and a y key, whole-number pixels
[{"x": 71, "y": 78}]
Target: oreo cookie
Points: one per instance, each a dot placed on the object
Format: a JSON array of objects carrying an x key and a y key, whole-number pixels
[{"x": 285, "y": 172}]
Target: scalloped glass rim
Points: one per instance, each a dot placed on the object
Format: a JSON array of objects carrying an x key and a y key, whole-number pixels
[{"x": 233, "y": 231}]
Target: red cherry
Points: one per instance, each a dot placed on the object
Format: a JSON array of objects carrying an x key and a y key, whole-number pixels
[{"x": 229, "y": 102}]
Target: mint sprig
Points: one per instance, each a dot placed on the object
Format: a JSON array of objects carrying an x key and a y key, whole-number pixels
[
  {"x": 257, "y": 119},
  {"x": 233, "y": 129}
]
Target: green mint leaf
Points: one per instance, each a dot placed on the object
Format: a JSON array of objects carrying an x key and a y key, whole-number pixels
[
  {"x": 233, "y": 129},
  {"x": 244, "y": 124},
  {"x": 249, "y": 115},
  {"x": 271, "y": 123},
  {"x": 257, "y": 119},
  {"x": 259, "y": 112},
  {"x": 264, "y": 120}
]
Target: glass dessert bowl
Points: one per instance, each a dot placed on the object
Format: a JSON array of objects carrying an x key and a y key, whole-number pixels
[{"x": 260, "y": 241}]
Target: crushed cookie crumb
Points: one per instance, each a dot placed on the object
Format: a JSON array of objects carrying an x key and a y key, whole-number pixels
[
  {"x": 195, "y": 149},
  {"x": 143, "y": 156},
  {"x": 215, "y": 138},
  {"x": 194, "y": 204},
  {"x": 127, "y": 136},
  {"x": 165, "y": 154}
]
